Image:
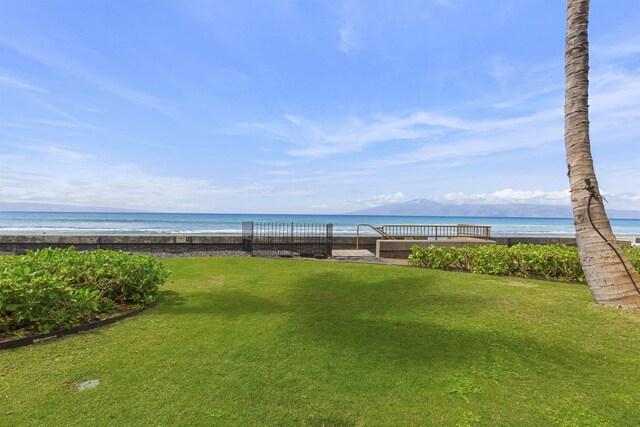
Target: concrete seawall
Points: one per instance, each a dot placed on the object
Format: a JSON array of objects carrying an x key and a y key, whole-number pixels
[
  {"x": 173, "y": 243},
  {"x": 537, "y": 240}
]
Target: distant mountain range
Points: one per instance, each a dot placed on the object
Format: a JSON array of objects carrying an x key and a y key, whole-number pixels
[
  {"x": 424, "y": 207},
  {"x": 51, "y": 207}
]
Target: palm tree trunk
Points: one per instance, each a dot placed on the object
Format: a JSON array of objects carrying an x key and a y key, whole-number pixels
[{"x": 602, "y": 260}]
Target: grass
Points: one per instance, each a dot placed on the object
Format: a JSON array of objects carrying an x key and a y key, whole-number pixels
[{"x": 286, "y": 342}]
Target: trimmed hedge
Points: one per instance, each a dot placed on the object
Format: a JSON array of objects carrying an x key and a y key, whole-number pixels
[
  {"x": 556, "y": 262},
  {"x": 53, "y": 289}
]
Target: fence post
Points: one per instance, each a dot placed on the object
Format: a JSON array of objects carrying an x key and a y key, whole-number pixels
[
  {"x": 329, "y": 240},
  {"x": 247, "y": 236}
]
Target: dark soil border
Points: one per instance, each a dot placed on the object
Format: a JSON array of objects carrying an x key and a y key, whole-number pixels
[{"x": 33, "y": 339}]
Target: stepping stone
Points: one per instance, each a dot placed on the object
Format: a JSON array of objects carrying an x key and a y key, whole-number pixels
[{"x": 88, "y": 385}]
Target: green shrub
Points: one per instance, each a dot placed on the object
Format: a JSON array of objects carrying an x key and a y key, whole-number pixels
[
  {"x": 59, "y": 288},
  {"x": 556, "y": 262},
  {"x": 633, "y": 253}
]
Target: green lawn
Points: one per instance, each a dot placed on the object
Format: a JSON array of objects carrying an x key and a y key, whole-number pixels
[{"x": 286, "y": 342}]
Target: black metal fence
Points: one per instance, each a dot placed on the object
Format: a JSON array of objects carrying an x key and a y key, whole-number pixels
[{"x": 287, "y": 239}]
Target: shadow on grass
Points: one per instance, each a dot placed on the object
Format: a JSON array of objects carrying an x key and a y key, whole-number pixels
[
  {"x": 229, "y": 303},
  {"x": 171, "y": 299},
  {"x": 400, "y": 319},
  {"x": 406, "y": 320}
]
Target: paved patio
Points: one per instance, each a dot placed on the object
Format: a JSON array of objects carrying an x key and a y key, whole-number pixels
[{"x": 356, "y": 255}]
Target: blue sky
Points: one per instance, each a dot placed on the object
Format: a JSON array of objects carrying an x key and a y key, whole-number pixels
[{"x": 307, "y": 106}]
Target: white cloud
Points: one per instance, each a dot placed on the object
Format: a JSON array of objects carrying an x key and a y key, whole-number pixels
[
  {"x": 94, "y": 183},
  {"x": 382, "y": 199},
  {"x": 508, "y": 196},
  {"x": 626, "y": 197}
]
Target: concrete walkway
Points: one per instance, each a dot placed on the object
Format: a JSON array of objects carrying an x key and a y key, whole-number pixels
[
  {"x": 393, "y": 261},
  {"x": 356, "y": 255}
]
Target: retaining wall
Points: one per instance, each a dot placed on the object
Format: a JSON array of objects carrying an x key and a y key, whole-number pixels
[
  {"x": 538, "y": 240},
  {"x": 173, "y": 243},
  {"x": 148, "y": 242}
]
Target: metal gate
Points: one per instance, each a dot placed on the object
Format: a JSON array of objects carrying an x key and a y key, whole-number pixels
[{"x": 287, "y": 239}]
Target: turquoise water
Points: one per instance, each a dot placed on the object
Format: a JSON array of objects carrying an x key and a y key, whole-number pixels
[{"x": 157, "y": 223}]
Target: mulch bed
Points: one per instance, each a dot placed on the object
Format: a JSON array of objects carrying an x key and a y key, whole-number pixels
[{"x": 7, "y": 341}]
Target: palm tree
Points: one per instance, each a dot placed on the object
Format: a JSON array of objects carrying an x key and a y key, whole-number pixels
[{"x": 611, "y": 277}]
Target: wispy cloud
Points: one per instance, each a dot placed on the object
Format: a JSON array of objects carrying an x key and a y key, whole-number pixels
[
  {"x": 61, "y": 123},
  {"x": 422, "y": 136},
  {"x": 75, "y": 68},
  {"x": 500, "y": 68},
  {"x": 615, "y": 47},
  {"x": 37, "y": 123},
  {"x": 133, "y": 95},
  {"x": 439, "y": 135},
  {"x": 67, "y": 120},
  {"x": 65, "y": 153},
  {"x": 614, "y": 89},
  {"x": 15, "y": 125},
  {"x": 490, "y": 138},
  {"x": 522, "y": 99},
  {"x": 53, "y": 150},
  {"x": 16, "y": 83},
  {"x": 278, "y": 173},
  {"x": 356, "y": 134},
  {"x": 347, "y": 40},
  {"x": 348, "y": 29},
  {"x": 308, "y": 175}
]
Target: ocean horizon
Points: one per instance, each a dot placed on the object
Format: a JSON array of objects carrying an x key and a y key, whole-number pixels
[{"x": 230, "y": 224}]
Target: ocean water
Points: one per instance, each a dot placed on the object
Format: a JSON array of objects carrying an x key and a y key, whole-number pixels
[{"x": 159, "y": 223}]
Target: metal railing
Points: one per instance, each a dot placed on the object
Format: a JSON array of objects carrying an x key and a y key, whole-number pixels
[
  {"x": 287, "y": 239},
  {"x": 426, "y": 231}
]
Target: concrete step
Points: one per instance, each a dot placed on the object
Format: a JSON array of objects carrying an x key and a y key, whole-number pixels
[{"x": 351, "y": 253}]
